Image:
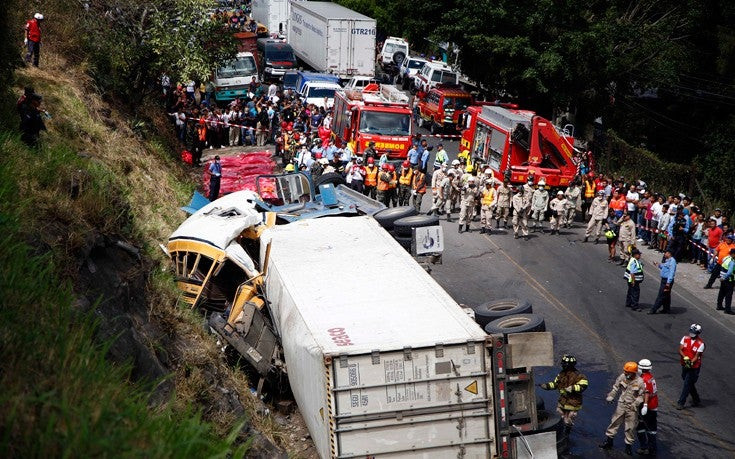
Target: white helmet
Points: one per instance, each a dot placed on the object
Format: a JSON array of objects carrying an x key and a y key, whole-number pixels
[
  {"x": 488, "y": 171},
  {"x": 455, "y": 162},
  {"x": 644, "y": 364},
  {"x": 38, "y": 16},
  {"x": 695, "y": 329}
]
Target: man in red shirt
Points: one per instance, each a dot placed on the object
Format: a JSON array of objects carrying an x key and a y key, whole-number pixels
[
  {"x": 33, "y": 38},
  {"x": 691, "y": 349},
  {"x": 647, "y": 421}
]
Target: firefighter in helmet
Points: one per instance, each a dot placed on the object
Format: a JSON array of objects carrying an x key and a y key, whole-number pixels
[
  {"x": 570, "y": 383},
  {"x": 631, "y": 388}
]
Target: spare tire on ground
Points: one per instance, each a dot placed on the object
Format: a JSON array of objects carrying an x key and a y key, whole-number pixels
[
  {"x": 404, "y": 226},
  {"x": 386, "y": 217},
  {"x": 517, "y": 323},
  {"x": 404, "y": 241},
  {"x": 491, "y": 310},
  {"x": 334, "y": 178}
]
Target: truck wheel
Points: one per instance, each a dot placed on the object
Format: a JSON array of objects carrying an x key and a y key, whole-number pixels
[
  {"x": 404, "y": 241},
  {"x": 404, "y": 226},
  {"x": 386, "y": 217},
  {"x": 331, "y": 177},
  {"x": 398, "y": 58},
  {"x": 548, "y": 421},
  {"x": 433, "y": 127},
  {"x": 518, "y": 323},
  {"x": 492, "y": 310}
]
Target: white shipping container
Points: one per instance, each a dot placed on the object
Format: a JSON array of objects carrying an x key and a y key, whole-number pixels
[
  {"x": 381, "y": 360},
  {"x": 333, "y": 39},
  {"x": 272, "y": 13}
]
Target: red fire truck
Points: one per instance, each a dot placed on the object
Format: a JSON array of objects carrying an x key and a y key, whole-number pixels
[
  {"x": 377, "y": 114},
  {"x": 517, "y": 144},
  {"x": 442, "y": 107}
]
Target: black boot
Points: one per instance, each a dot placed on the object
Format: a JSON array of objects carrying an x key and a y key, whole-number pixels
[
  {"x": 497, "y": 223},
  {"x": 607, "y": 444},
  {"x": 449, "y": 217},
  {"x": 482, "y": 230},
  {"x": 460, "y": 228},
  {"x": 628, "y": 450},
  {"x": 467, "y": 227},
  {"x": 585, "y": 239},
  {"x": 431, "y": 212}
]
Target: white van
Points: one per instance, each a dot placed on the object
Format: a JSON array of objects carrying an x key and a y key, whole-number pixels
[
  {"x": 394, "y": 51},
  {"x": 432, "y": 74},
  {"x": 232, "y": 79}
]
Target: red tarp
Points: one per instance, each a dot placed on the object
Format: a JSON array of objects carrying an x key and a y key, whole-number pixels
[{"x": 239, "y": 171}]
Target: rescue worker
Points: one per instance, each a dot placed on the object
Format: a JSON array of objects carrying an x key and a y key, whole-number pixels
[
  {"x": 691, "y": 348},
  {"x": 589, "y": 193},
  {"x": 634, "y": 277},
  {"x": 502, "y": 206},
  {"x": 392, "y": 186},
  {"x": 570, "y": 383},
  {"x": 442, "y": 202},
  {"x": 727, "y": 280},
  {"x": 487, "y": 201},
  {"x": 598, "y": 214},
  {"x": 539, "y": 204},
  {"x": 527, "y": 196},
  {"x": 464, "y": 156},
  {"x": 668, "y": 273},
  {"x": 647, "y": 421},
  {"x": 441, "y": 156},
  {"x": 456, "y": 184},
  {"x": 467, "y": 205},
  {"x": 404, "y": 183},
  {"x": 369, "y": 152},
  {"x": 436, "y": 193},
  {"x": 558, "y": 207},
  {"x": 371, "y": 177},
  {"x": 573, "y": 195},
  {"x": 33, "y": 39},
  {"x": 631, "y": 388},
  {"x": 418, "y": 187},
  {"x": 520, "y": 212},
  {"x": 215, "y": 174},
  {"x": 626, "y": 237},
  {"x": 383, "y": 188}
]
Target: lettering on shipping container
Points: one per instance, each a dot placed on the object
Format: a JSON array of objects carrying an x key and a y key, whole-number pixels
[
  {"x": 361, "y": 31},
  {"x": 339, "y": 336},
  {"x": 299, "y": 19}
]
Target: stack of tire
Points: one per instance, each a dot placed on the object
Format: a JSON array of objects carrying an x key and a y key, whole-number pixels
[
  {"x": 401, "y": 221},
  {"x": 511, "y": 315}
]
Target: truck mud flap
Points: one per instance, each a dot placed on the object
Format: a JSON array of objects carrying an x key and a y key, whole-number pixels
[
  {"x": 253, "y": 338},
  {"x": 364, "y": 204}
]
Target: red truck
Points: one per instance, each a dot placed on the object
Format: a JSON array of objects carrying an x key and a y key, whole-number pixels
[
  {"x": 517, "y": 144},
  {"x": 442, "y": 108},
  {"x": 377, "y": 114}
]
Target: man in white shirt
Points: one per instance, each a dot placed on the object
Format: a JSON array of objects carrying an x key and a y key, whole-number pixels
[{"x": 632, "y": 199}]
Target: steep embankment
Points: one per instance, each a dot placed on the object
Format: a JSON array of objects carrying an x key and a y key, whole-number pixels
[{"x": 98, "y": 357}]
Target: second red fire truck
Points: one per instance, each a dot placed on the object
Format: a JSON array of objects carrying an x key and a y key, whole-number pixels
[{"x": 377, "y": 114}]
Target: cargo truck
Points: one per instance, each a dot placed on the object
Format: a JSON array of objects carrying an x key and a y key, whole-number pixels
[
  {"x": 374, "y": 371},
  {"x": 271, "y": 13},
  {"x": 332, "y": 39}
]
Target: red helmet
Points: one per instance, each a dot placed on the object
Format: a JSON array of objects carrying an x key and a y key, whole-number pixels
[
  {"x": 391, "y": 167},
  {"x": 284, "y": 125},
  {"x": 317, "y": 156},
  {"x": 371, "y": 160},
  {"x": 296, "y": 136},
  {"x": 386, "y": 166},
  {"x": 406, "y": 164}
]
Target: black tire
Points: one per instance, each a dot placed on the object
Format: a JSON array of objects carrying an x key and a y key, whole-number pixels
[
  {"x": 398, "y": 58},
  {"x": 433, "y": 127},
  {"x": 404, "y": 241},
  {"x": 334, "y": 178},
  {"x": 412, "y": 87},
  {"x": 517, "y": 323},
  {"x": 404, "y": 226},
  {"x": 386, "y": 217},
  {"x": 487, "y": 312},
  {"x": 548, "y": 421}
]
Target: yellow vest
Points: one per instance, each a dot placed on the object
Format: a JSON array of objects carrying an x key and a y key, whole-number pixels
[
  {"x": 405, "y": 179},
  {"x": 488, "y": 196}
]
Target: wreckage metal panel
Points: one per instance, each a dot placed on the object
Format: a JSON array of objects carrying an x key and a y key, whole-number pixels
[
  {"x": 221, "y": 221},
  {"x": 325, "y": 266}
]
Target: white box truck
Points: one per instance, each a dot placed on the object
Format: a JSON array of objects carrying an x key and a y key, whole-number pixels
[
  {"x": 271, "y": 13},
  {"x": 381, "y": 360},
  {"x": 332, "y": 39}
]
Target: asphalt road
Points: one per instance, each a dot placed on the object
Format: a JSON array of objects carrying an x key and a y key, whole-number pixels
[{"x": 582, "y": 298}]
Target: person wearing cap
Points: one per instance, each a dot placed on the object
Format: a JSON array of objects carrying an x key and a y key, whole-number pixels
[
  {"x": 317, "y": 168},
  {"x": 467, "y": 204},
  {"x": 413, "y": 156},
  {"x": 626, "y": 237},
  {"x": 33, "y": 38},
  {"x": 573, "y": 195},
  {"x": 488, "y": 199},
  {"x": 31, "y": 121},
  {"x": 215, "y": 175},
  {"x": 634, "y": 277},
  {"x": 598, "y": 214},
  {"x": 441, "y": 155},
  {"x": 648, "y": 415},
  {"x": 457, "y": 185},
  {"x": 691, "y": 348},
  {"x": 371, "y": 178},
  {"x": 631, "y": 388},
  {"x": 358, "y": 173},
  {"x": 668, "y": 273},
  {"x": 539, "y": 204},
  {"x": 386, "y": 183},
  {"x": 424, "y": 154},
  {"x": 369, "y": 152},
  {"x": 502, "y": 206},
  {"x": 520, "y": 212},
  {"x": 442, "y": 202},
  {"x": 418, "y": 187},
  {"x": 570, "y": 383},
  {"x": 727, "y": 281},
  {"x": 558, "y": 207},
  {"x": 721, "y": 251}
]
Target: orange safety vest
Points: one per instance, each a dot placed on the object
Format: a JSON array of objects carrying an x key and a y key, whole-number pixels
[
  {"x": 419, "y": 182},
  {"x": 382, "y": 184},
  {"x": 371, "y": 176},
  {"x": 589, "y": 189},
  {"x": 405, "y": 179}
]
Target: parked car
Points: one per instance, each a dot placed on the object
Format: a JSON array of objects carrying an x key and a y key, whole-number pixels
[
  {"x": 393, "y": 53},
  {"x": 432, "y": 74},
  {"x": 408, "y": 70}
]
